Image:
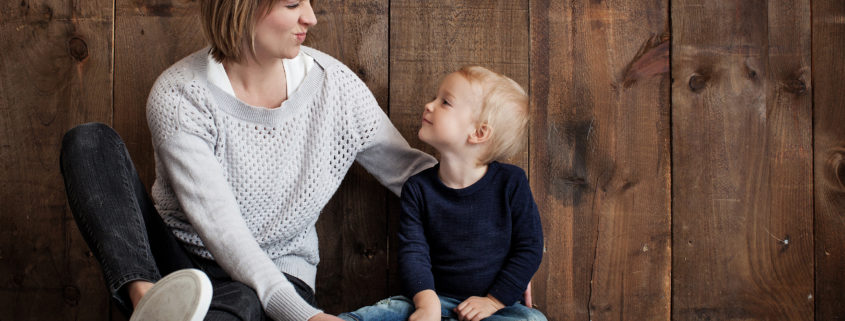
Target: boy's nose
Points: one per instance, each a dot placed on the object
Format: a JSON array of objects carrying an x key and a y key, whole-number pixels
[{"x": 429, "y": 106}]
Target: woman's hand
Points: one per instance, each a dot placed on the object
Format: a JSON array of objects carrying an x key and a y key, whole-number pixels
[
  {"x": 476, "y": 308},
  {"x": 324, "y": 317},
  {"x": 425, "y": 314}
]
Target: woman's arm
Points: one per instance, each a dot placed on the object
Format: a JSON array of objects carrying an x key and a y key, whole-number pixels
[
  {"x": 389, "y": 157},
  {"x": 209, "y": 204},
  {"x": 183, "y": 134}
]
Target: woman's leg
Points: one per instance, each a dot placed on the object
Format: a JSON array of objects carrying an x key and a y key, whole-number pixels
[{"x": 114, "y": 213}]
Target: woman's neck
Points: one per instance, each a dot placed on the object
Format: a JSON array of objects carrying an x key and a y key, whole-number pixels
[
  {"x": 258, "y": 84},
  {"x": 460, "y": 172}
]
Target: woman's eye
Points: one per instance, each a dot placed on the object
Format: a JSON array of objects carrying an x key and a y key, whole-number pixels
[{"x": 293, "y": 5}]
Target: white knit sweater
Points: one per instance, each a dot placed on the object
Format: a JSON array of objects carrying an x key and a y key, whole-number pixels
[{"x": 244, "y": 185}]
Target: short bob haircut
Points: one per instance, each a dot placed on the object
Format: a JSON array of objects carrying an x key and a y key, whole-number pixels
[
  {"x": 504, "y": 108},
  {"x": 229, "y": 24}
]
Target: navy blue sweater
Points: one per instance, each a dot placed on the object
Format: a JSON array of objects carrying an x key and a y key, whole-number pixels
[{"x": 479, "y": 240}]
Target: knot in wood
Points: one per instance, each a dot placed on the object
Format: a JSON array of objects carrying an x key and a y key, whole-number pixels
[
  {"x": 697, "y": 82},
  {"x": 796, "y": 86},
  {"x": 71, "y": 295},
  {"x": 370, "y": 253},
  {"x": 836, "y": 166},
  {"x": 77, "y": 48}
]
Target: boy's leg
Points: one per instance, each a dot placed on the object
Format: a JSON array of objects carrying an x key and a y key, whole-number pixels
[
  {"x": 397, "y": 308},
  {"x": 517, "y": 312},
  {"x": 114, "y": 213}
]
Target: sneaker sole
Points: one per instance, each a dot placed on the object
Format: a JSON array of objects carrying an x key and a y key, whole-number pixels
[{"x": 183, "y": 295}]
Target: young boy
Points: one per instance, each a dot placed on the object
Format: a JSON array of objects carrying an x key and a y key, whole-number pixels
[{"x": 470, "y": 234}]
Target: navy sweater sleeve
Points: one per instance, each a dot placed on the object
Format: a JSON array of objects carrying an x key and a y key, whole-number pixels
[
  {"x": 526, "y": 245},
  {"x": 415, "y": 262}
]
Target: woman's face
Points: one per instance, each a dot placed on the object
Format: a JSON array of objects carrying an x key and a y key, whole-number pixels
[{"x": 280, "y": 33}]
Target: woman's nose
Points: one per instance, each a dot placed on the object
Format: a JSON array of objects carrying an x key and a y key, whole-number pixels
[{"x": 308, "y": 18}]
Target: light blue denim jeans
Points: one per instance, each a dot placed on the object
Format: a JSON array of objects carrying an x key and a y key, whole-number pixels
[{"x": 399, "y": 308}]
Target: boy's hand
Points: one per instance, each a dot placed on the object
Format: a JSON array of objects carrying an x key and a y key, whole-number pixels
[
  {"x": 476, "y": 308},
  {"x": 425, "y": 314}
]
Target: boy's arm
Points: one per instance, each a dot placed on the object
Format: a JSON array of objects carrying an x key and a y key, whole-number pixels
[
  {"x": 526, "y": 246},
  {"x": 427, "y": 306},
  {"x": 414, "y": 258}
]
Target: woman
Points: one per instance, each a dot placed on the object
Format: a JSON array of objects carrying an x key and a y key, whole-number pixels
[{"x": 252, "y": 136}]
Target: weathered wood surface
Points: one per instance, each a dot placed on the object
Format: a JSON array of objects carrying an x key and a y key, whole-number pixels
[
  {"x": 55, "y": 72},
  {"x": 353, "y": 226},
  {"x": 829, "y": 150},
  {"x": 600, "y": 158},
  {"x": 746, "y": 179},
  {"x": 742, "y": 161},
  {"x": 149, "y": 37}
]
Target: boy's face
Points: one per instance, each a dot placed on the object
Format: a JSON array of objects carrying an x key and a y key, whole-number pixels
[{"x": 450, "y": 119}]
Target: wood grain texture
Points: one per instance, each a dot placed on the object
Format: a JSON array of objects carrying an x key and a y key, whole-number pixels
[
  {"x": 55, "y": 72},
  {"x": 150, "y": 36},
  {"x": 742, "y": 175},
  {"x": 600, "y": 158},
  {"x": 829, "y": 150},
  {"x": 353, "y": 226}
]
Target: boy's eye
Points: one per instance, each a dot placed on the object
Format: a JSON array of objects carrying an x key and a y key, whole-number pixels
[{"x": 446, "y": 102}]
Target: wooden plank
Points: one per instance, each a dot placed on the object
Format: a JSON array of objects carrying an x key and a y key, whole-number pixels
[
  {"x": 829, "y": 150},
  {"x": 149, "y": 37},
  {"x": 55, "y": 73},
  {"x": 352, "y": 227},
  {"x": 742, "y": 188},
  {"x": 599, "y": 158}
]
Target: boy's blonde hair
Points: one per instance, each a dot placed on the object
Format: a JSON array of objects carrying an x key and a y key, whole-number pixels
[
  {"x": 229, "y": 24},
  {"x": 504, "y": 108}
]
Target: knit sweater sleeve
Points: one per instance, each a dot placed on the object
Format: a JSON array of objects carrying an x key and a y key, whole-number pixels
[
  {"x": 414, "y": 252},
  {"x": 526, "y": 250},
  {"x": 383, "y": 151},
  {"x": 183, "y": 132}
]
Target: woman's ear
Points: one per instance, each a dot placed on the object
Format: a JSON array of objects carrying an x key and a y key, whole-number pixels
[{"x": 481, "y": 134}]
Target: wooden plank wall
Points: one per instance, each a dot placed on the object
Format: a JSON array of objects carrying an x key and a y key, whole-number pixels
[
  {"x": 705, "y": 186},
  {"x": 742, "y": 161}
]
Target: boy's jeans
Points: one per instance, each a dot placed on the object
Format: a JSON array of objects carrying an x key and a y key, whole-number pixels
[{"x": 399, "y": 308}]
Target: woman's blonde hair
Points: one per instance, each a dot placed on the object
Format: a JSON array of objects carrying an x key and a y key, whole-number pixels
[
  {"x": 229, "y": 24},
  {"x": 504, "y": 108}
]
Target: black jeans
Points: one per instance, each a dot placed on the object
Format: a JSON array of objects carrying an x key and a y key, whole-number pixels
[{"x": 119, "y": 223}]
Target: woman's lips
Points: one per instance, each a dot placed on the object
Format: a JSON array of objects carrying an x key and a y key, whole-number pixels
[{"x": 300, "y": 37}]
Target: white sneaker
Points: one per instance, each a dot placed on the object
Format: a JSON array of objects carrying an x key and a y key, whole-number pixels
[{"x": 183, "y": 295}]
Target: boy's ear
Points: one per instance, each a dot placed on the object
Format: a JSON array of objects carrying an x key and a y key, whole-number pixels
[{"x": 481, "y": 134}]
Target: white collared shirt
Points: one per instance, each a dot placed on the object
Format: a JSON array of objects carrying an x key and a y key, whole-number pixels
[{"x": 295, "y": 71}]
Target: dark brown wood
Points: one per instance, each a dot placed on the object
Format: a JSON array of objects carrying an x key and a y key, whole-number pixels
[
  {"x": 829, "y": 151},
  {"x": 55, "y": 72},
  {"x": 149, "y": 38},
  {"x": 353, "y": 226},
  {"x": 742, "y": 174},
  {"x": 599, "y": 158}
]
